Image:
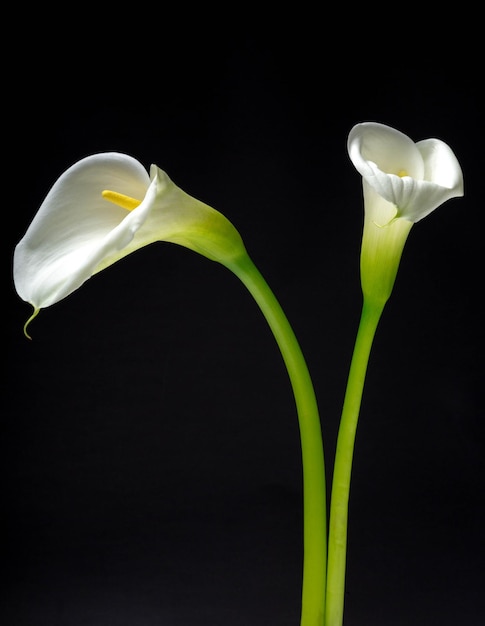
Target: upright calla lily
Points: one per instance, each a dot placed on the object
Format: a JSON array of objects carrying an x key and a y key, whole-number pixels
[
  {"x": 106, "y": 206},
  {"x": 403, "y": 182}
]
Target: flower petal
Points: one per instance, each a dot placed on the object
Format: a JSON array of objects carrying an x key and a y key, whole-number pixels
[
  {"x": 75, "y": 228},
  {"x": 416, "y": 178},
  {"x": 77, "y": 232},
  {"x": 376, "y": 146}
]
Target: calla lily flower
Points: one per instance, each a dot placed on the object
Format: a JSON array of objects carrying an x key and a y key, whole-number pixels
[
  {"x": 100, "y": 210},
  {"x": 106, "y": 206},
  {"x": 403, "y": 182}
]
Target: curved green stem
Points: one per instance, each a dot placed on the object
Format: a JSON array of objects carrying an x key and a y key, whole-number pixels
[
  {"x": 314, "y": 496},
  {"x": 337, "y": 540}
]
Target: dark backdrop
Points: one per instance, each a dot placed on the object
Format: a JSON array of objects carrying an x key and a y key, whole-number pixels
[{"x": 151, "y": 463}]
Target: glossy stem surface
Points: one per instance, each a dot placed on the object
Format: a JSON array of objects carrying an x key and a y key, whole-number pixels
[
  {"x": 339, "y": 504},
  {"x": 314, "y": 491}
]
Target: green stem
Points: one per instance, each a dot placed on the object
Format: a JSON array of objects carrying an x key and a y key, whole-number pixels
[
  {"x": 314, "y": 497},
  {"x": 337, "y": 540}
]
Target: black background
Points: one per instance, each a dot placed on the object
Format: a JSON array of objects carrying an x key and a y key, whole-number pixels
[{"x": 151, "y": 463}]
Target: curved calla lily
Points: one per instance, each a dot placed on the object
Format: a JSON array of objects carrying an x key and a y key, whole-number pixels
[
  {"x": 106, "y": 206},
  {"x": 403, "y": 182},
  {"x": 100, "y": 210}
]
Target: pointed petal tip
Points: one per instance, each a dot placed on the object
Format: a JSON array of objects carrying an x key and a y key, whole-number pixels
[{"x": 27, "y": 323}]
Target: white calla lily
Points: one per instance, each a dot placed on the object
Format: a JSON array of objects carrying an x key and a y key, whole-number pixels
[
  {"x": 403, "y": 182},
  {"x": 106, "y": 206},
  {"x": 100, "y": 210},
  {"x": 414, "y": 177}
]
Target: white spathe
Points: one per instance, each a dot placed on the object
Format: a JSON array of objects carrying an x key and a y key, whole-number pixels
[
  {"x": 77, "y": 233},
  {"x": 413, "y": 177},
  {"x": 402, "y": 182}
]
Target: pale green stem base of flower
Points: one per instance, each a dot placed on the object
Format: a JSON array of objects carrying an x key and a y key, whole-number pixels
[
  {"x": 314, "y": 493},
  {"x": 337, "y": 540}
]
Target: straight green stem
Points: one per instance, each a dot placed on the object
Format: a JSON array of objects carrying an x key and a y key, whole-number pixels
[
  {"x": 314, "y": 493},
  {"x": 339, "y": 505}
]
